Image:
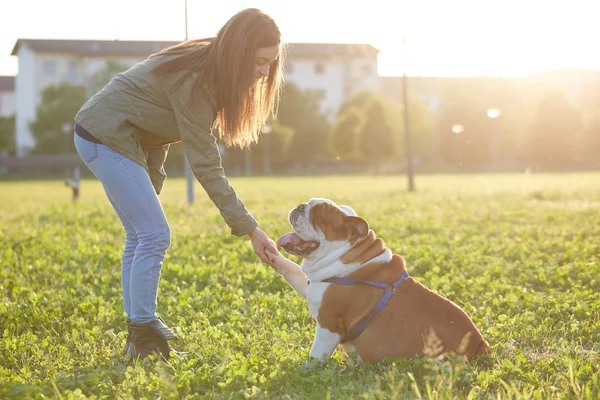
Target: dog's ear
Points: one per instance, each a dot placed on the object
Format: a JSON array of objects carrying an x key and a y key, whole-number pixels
[
  {"x": 348, "y": 210},
  {"x": 358, "y": 226},
  {"x": 336, "y": 225}
]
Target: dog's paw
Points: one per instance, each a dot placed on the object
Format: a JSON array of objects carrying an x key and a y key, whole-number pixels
[{"x": 274, "y": 259}]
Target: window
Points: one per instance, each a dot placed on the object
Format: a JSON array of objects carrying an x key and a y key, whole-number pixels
[
  {"x": 73, "y": 73},
  {"x": 49, "y": 67},
  {"x": 319, "y": 68}
]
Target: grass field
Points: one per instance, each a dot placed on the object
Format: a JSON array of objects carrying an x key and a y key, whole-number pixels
[{"x": 520, "y": 254}]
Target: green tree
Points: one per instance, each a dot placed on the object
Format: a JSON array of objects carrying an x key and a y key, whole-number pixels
[
  {"x": 7, "y": 134},
  {"x": 376, "y": 140},
  {"x": 100, "y": 78},
  {"x": 345, "y": 133},
  {"x": 424, "y": 141},
  {"x": 422, "y": 122},
  {"x": 58, "y": 107},
  {"x": 299, "y": 111},
  {"x": 592, "y": 141},
  {"x": 471, "y": 147},
  {"x": 556, "y": 133},
  {"x": 360, "y": 100},
  {"x": 465, "y": 103},
  {"x": 273, "y": 145},
  {"x": 590, "y": 109}
]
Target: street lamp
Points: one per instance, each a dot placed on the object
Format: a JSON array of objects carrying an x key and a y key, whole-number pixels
[
  {"x": 266, "y": 130},
  {"x": 73, "y": 183},
  {"x": 407, "y": 141},
  {"x": 247, "y": 162},
  {"x": 493, "y": 114},
  {"x": 457, "y": 129},
  {"x": 189, "y": 174},
  {"x": 67, "y": 128}
]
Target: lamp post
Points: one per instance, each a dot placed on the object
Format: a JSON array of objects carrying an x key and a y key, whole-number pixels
[
  {"x": 266, "y": 130},
  {"x": 493, "y": 114},
  {"x": 73, "y": 183},
  {"x": 247, "y": 162},
  {"x": 189, "y": 175},
  {"x": 67, "y": 128},
  {"x": 407, "y": 144},
  {"x": 457, "y": 129}
]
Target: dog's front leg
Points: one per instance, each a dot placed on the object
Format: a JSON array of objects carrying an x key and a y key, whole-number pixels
[
  {"x": 324, "y": 344},
  {"x": 290, "y": 271}
]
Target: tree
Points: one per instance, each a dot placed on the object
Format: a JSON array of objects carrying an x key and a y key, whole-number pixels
[
  {"x": 273, "y": 145},
  {"x": 422, "y": 123},
  {"x": 376, "y": 139},
  {"x": 100, "y": 78},
  {"x": 361, "y": 100},
  {"x": 345, "y": 133},
  {"x": 556, "y": 133},
  {"x": 471, "y": 147},
  {"x": 7, "y": 134},
  {"x": 59, "y": 105},
  {"x": 592, "y": 141},
  {"x": 466, "y": 103},
  {"x": 299, "y": 110},
  {"x": 424, "y": 142},
  {"x": 590, "y": 109}
]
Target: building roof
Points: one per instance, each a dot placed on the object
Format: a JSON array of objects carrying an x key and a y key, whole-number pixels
[
  {"x": 91, "y": 47},
  {"x": 7, "y": 83},
  {"x": 331, "y": 49},
  {"x": 101, "y": 48}
]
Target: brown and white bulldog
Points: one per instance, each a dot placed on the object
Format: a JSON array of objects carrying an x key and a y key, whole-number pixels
[{"x": 348, "y": 278}]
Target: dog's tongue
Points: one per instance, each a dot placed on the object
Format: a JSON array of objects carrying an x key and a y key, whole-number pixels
[{"x": 289, "y": 238}]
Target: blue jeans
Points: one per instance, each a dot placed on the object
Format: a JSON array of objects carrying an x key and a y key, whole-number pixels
[{"x": 147, "y": 232}]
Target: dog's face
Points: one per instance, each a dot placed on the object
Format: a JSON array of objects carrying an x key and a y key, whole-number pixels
[{"x": 321, "y": 226}]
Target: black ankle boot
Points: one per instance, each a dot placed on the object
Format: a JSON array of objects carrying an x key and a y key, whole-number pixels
[{"x": 153, "y": 337}]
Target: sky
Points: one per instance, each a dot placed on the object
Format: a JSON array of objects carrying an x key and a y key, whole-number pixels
[{"x": 507, "y": 38}]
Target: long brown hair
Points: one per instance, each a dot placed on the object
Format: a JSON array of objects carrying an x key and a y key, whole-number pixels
[{"x": 227, "y": 66}]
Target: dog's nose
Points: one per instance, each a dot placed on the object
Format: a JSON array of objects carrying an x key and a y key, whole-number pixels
[{"x": 302, "y": 207}]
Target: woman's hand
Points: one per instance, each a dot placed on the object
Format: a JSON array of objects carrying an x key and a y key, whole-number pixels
[{"x": 260, "y": 242}]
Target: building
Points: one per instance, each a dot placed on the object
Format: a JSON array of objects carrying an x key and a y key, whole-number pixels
[
  {"x": 7, "y": 96},
  {"x": 334, "y": 71}
]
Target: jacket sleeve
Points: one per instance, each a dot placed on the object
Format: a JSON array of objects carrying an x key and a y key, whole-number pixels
[
  {"x": 201, "y": 150},
  {"x": 155, "y": 158}
]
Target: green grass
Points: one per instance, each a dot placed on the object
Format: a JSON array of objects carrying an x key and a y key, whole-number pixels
[{"x": 520, "y": 254}]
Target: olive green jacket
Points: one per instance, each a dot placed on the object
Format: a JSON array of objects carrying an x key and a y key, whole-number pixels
[{"x": 138, "y": 116}]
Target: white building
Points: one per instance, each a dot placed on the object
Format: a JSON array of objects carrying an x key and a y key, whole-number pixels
[
  {"x": 7, "y": 96},
  {"x": 334, "y": 71}
]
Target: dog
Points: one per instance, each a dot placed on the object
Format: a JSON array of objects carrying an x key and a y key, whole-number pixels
[{"x": 360, "y": 294}]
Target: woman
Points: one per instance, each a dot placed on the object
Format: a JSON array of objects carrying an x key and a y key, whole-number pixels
[{"x": 123, "y": 134}]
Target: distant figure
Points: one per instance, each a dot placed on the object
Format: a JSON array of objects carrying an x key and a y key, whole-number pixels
[{"x": 123, "y": 134}]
